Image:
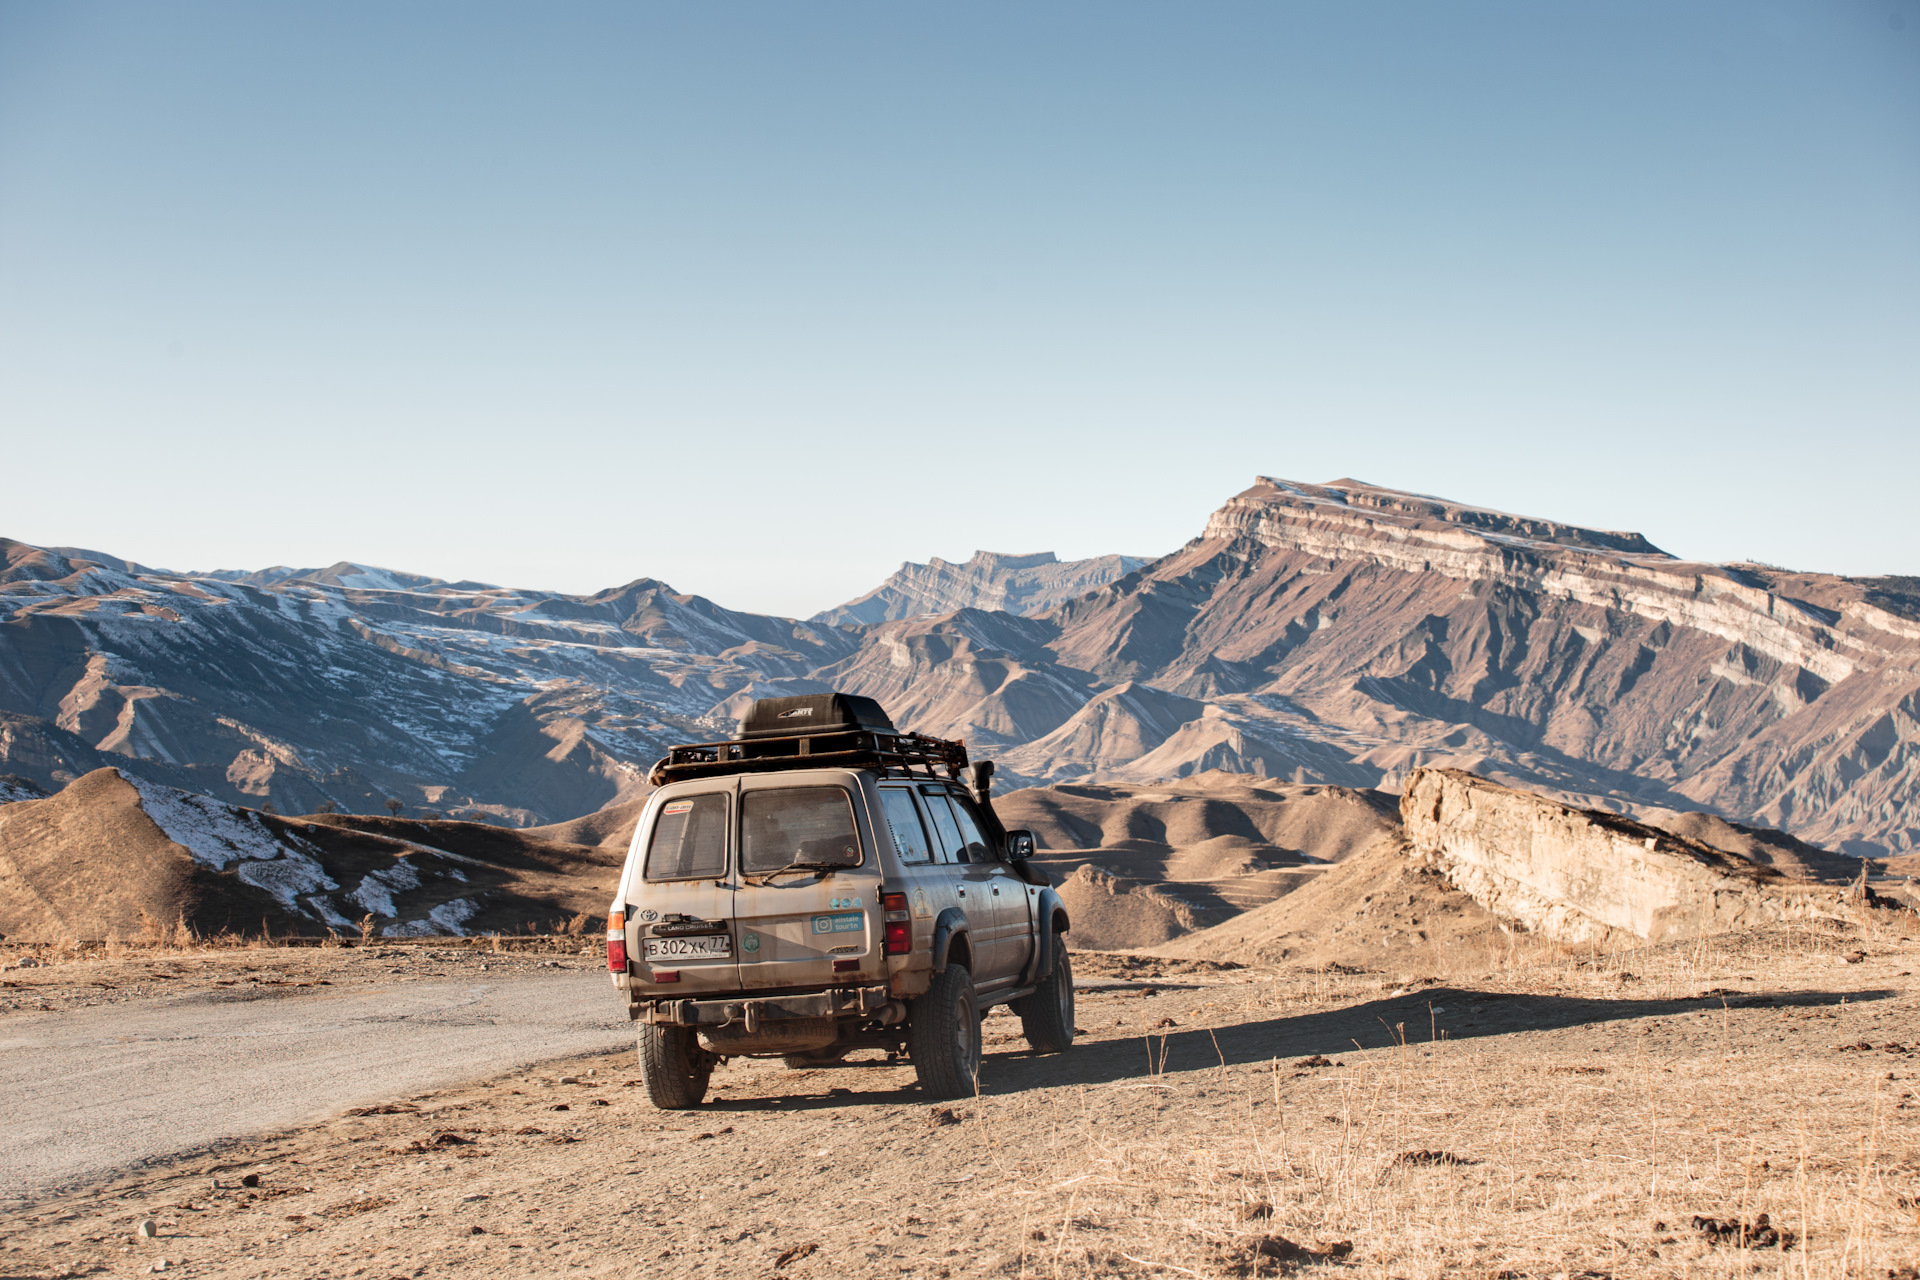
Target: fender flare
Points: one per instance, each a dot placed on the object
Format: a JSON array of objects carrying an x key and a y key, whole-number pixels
[
  {"x": 950, "y": 924},
  {"x": 1047, "y": 908}
]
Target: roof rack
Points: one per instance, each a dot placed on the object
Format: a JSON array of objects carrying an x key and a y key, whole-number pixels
[{"x": 909, "y": 754}]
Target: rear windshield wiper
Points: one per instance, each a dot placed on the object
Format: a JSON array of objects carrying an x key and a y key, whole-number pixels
[{"x": 803, "y": 866}]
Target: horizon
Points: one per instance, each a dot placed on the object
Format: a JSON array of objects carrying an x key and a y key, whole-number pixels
[
  {"x": 682, "y": 589},
  {"x": 543, "y": 294}
]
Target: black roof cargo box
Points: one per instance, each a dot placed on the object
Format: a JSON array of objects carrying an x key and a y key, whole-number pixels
[
  {"x": 817, "y": 731},
  {"x": 813, "y": 713}
]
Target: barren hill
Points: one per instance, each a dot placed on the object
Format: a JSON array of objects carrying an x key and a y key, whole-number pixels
[
  {"x": 1378, "y": 910},
  {"x": 1139, "y": 866},
  {"x": 112, "y": 854},
  {"x": 1023, "y": 585}
]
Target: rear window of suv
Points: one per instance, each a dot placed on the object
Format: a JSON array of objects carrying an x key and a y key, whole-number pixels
[
  {"x": 689, "y": 840},
  {"x": 797, "y": 824}
]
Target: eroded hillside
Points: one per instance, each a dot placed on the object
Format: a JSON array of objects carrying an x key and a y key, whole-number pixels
[
  {"x": 1335, "y": 634},
  {"x": 119, "y": 856},
  {"x": 1348, "y": 634}
]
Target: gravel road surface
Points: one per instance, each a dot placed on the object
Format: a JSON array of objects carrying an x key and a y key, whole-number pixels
[{"x": 95, "y": 1091}]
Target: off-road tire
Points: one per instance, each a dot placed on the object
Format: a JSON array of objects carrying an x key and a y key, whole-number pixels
[
  {"x": 1046, "y": 1016},
  {"x": 676, "y": 1069},
  {"x": 943, "y": 1035}
]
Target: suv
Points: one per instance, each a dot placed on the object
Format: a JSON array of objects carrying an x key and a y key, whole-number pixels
[{"x": 824, "y": 883}]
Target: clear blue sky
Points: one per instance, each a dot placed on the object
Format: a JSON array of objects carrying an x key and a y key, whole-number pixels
[{"x": 762, "y": 299}]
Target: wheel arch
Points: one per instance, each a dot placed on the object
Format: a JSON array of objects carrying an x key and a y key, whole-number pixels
[
  {"x": 951, "y": 943},
  {"x": 1050, "y": 917}
]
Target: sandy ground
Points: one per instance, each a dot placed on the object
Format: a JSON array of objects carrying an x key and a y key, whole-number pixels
[{"x": 1554, "y": 1115}]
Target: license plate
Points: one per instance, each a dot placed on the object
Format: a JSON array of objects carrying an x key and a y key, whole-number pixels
[{"x": 705, "y": 946}]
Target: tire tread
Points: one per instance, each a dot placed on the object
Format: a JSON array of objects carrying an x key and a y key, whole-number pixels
[{"x": 674, "y": 1066}]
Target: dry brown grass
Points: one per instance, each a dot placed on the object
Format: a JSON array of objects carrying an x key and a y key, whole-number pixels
[
  {"x": 1524, "y": 1110},
  {"x": 1567, "y": 1159}
]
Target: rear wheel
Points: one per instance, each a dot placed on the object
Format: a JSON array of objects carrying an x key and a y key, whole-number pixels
[
  {"x": 674, "y": 1066},
  {"x": 943, "y": 1035},
  {"x": 1046, "y": 1016}
]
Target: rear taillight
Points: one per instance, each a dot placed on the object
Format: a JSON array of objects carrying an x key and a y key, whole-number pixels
[
  {"x": 617, "y": 942},
  {"x": 899, "y": 925}
]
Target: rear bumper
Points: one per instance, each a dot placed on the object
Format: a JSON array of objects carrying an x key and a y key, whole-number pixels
[{"x": 753, "y": 1011}]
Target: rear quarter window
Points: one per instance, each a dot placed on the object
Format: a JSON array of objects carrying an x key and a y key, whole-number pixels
[
  {"x": 689, "y": 840},
  {"x": 909, "y": 837}
]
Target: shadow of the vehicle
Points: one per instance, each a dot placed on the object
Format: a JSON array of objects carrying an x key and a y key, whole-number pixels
[
  {"x": 1453, "y": 1013},
  {"x": 1458, "y": 1014}
]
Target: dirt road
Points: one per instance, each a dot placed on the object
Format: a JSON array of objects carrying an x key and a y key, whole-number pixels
[{"x": 92, "y": 1092}]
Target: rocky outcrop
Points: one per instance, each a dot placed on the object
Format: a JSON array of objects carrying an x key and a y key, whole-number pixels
[
  {"x": 1024, "y": 585},
  {"x": 1585, "y": 875}
]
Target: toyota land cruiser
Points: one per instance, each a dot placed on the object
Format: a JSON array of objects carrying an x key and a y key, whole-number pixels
[{"x": 824, "y": 883}]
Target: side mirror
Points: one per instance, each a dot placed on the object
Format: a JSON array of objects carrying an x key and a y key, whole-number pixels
[{"x": 1020, "y": 845}]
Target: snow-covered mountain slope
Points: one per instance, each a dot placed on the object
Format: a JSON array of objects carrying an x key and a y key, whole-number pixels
[
  {"x": 523, "y": 707},
  {"x": 1025, "y": 585}
]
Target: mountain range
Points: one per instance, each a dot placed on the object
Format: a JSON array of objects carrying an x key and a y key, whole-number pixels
[{"x": 1339, "y": 633}]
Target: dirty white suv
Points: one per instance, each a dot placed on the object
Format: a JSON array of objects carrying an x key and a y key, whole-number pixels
[{"x": 824, "y": 883}]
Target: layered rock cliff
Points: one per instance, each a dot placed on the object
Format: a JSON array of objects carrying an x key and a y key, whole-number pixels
[{"x": 1408, "y": 630}]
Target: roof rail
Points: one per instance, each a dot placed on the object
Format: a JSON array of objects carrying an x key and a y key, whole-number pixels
[{"x": 908, "y": 754}]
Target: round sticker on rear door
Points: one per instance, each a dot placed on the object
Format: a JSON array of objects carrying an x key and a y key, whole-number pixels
[{"x": 749, "y": 941}]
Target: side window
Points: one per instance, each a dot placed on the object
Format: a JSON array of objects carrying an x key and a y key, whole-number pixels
[
  {"x": 689, "y": 840},
  {"x": 806, "y": 825},
  {"x": 946, "y": 832},
  {"x": 978, "y": 850},
  {"x": 909, "y": 837}
]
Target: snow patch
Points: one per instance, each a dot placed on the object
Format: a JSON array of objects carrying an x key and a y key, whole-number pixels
[
  {"x": 286, "y": 878},
  {"x": 215, "y": 834},
  {"x": 378, "y": 887},
  {"x": 450, "y": 916}
]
